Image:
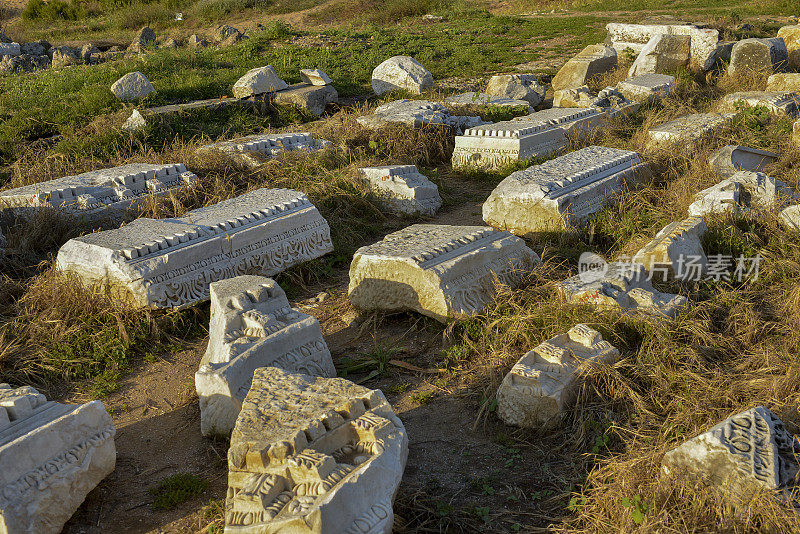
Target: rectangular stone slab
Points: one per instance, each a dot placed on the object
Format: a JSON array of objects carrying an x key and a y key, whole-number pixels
[
  {"x": 170, "y": 263},
  {"x": 646, "y": 87},
  {"x": 687, "y": 130},
  {"x": 471, "y": 98},
  {"x": 578, "y": 121},
  {"x": 495, "y": 145},
  {"x": 402, "y": 189},
  {"x": 253, "y": 150},
  {"x": 731, "y": 159}
]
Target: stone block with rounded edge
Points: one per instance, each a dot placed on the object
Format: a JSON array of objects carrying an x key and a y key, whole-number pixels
[
  {"x": 417, "y": 114},
  {"x": 471, "y": 98},
  {"x": 437, "y": 270},
  {"x": 791, "y": 38},
  {"x": 731, "y": 159},
  {"x": 741, "y": 192},
  {"x": 518, "y": 87},
  {"x": 784, "y": 82},
  {"x": 635, "y": 36},
  {"x": 594, "y": 60},
  {"x": 747, "y": 453},
  {"x": 254, "y": 150},
  {"x": 51, "y": 456},
  {"x": 401, "y": 73},
  {"x": 573, "y": 97},
  {"x": 502, "y": 143},
  {"x": 544, "y": 382},
  {"x": 402, "y": 189},
  {"x": 315, "y": 77},
  {"x": 313, "y": 455},
  {"x": 170, "y": 263},
  {"x": 676, "y": 251},
  {"x": 662, "y": 53},
  {"x": 563, "y": 193},
  {"x": 758, "y": 55},
  {"x": 646, "y": 87},
  {"x": 258, "y": 81},
  {"x": 252, "y": 326},
  {"x": 132, "y": 86},
  {"x": 688, "y": 130},
  {"x": 777, "y": 102}
]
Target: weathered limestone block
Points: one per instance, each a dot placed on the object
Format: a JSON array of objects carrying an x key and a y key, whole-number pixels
[
  {"x": 623, "y": 286},
  {"x": 518, "y": 87},
  {"x": 315, "y": 77},
  {"x": 313, "y": 455},
  {"x": 634, "y": 36},
  {"x": 51, "y": 456},
  {"x": 417, "y": 114},
  {"x": 104, "y": 194},
  {"x": 252, "y": 326},
  {"x": 594, "y": 60},
  {"x": 501, "y": 143},
  {"x": 132, "y": 86},
  {"x": 791, "y": 38},
  {"x": 741, "y": 192},
  {"x": 35, "y": 48},
  {"x": 731, "y": 159},
  {"x": 662, "y": 53},
  {"x": 573, "y": 97},
  {"x": 10, "y": 49},
  {"x": 687, "y": 130},
  {"x": 543, "y": 383},
  {"x": 439, "y": 271},
  {"x": 785, "y": 82},
  {"x": 614, "y": 103},
  {"x": 401, "y": 73},
  {"x": 780, "y": 103},
  {"x": 402, "y": 189},
  {"x": 562, "y": 193},
  {"x": 170, "y": 263},
  {"x": 758, "y": 55},
  {"x": 253, "y": 150},
  {"x": 311, "y": 98},
  {"x": 791, "y": 217},
  {"x": 480, "y": 99},
  {"x": 746, "y": 453},
  {"x": 258, "y": 81},
  {"x": 646, "y": 87},
  {"x": 578, "y": 121},
  {"x": 676, "y": 251},
  {"x": 65, "y": 56},
  {"x": 225, "y": 31}
]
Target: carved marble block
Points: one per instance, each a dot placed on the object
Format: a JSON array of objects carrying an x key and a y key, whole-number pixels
[
  {"x": 789, "y": 216},
  {"x": 402, "y": 189},
  {"x": 749, "y": 452},
  {"x": 253, "y": 150},
  {"x": 687, "y": 130},
  {"x": 543, "y": 383},
  {"x": 471, "y": 98},
  {"x": 624, "y": 286},
  {"x": 51, "y": 456},
  {"x": 437, "y": 270},
  {"x": 564, "y": 192},
  {"x": 577, "y": 121},
  {"x": 731, "y": 159},
  {"x": 104, "y": 194},
  {"x": 501, "y": 143},
  {"x": 703, "y": 46},
  {"x": 170, "y": 263},
  {"x": 777, "y": 102},
  {"x": 741, "y": 192},
  {"x": 313, "y": 455},
  {"x": 417, "y": 114},
  {"x": 646, "y": 87},
  {"x": 676, "y": 251},
  {"x": 252, "y": 326}
]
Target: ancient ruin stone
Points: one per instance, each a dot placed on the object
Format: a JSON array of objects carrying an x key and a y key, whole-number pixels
[
  {"x": 170, "y": 263},
  {"x": 501, "y": 143},
  {"x": 574, "y": 97},
  {"x": 35, "y": 48},
  {"x": 315, "y": 77},
  {"x": 517, "y": 87},
  {"x": 676, "y": 251},
  {"x": 439, "y": 271},
  {"x": 622, "y": 286},
  {"x": 780, "y": 103},
  {"x": 662, "y": 53},
  {"x": 731, "y": 159},
  {"x": 562, "y": 193},
  {"x": 687, "y": 130},
  {"x": 196, "y": 42},
  {"x": 614, "y": 102},
  {"x": 635, "y": 36},
  {"x": 543, "y": 383},
  {"x": 233, "y": 39},
  {"x": 311, "y": 98},
  {"x": 791, "y": 217},
  {"x": 225, "y": 31},
  {"x": 51, "y": 456},
  {"x": 257, "y": 81},
  {"x": 10, "y": 49},
  {"x": 401, "y": 73},
  {"x": 313, "y": 455},
  {"x": 791, "y": 38},
  {"x": 594, "y": 60},
  {"x": 758, "y": 55},
  {"x": 252, "y": 326},
  {"x": 132, "y": 86},
  {"x": 479, "y": 99},
  {"x": 417, "y": 114},
  {"x": 88, "y": 52},
  {"x": 253, "y": 150},
  {"x": 169, "y": 43},
  {"x": 101, "y": 195},
  {"x": 576, "y": 121},
  {"x": 65, "y": 56},
  {"x": 746, "y": 453},
  {"x": 144, "y": 38},
  {"x": 135, "y": 122},
  {"x": 741, "y": 192},
  {"x": 402, "y": 189},
  {"x": 786, "y": 82}
]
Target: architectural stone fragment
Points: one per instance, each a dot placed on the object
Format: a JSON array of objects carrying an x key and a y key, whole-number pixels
[
  {"x": 170, "y": 263},
  {"x": 635, "y": 36},
  {"x": 731, "y": 159},
  {"x": 543, "y": 383},
  {"x": 313, "y": 455},
  {"x": 758, "y": 55},
  {"x": 676, "y": 251},
  {"x": 252, "y": 326},
  {"x": 662, "y": 53},
  {"x": 258, "y": 81},
  {"x": 402, "y": 189},
  {"x": 562, "y": 193},
  {"x": 401, "y": 73},
  {"x": 784, "y": 82},
  {"x": 577, "y": 121},
  {"x": 501, "y": 143},
  {"x": 51, "y": 456},
  {"x": 791, "y": 38},
  {"x": 132, "y": 86},
  {"x": 646, "y": 87},
  {"x": 439, "y": 271},
  {"x": 780, "y": 103},
  {"x": 311, "y": 98},
  {"x": 594, "y": 60},
  {"x": 479, "y": 99},
  {"x": 687, "y": 130},
  {"x": 417, "y": 114},
  {"x": 573, "y": 97},
  {"x": 10, "y": 49},
  {"x": 144, "y": 38},
  {"x": 791, "y": 217},
  {"x": 315, "y": 77},
  {"x": 518, "y": 87},
  {"x": 741, "y": 192},
  {"x": 253, "y": 150}
]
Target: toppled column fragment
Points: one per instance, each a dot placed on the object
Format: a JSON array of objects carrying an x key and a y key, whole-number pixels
[
  {"x": 741, "y": 192},
  {"x": 253, "y": 150},
  {"x": 402, "y": 189},
  {"x": 495, "y": 145},
  {"x": 731, "y": 159},
  {"x": 252, "y": 326},
  {"x": 676, "y": 251}
]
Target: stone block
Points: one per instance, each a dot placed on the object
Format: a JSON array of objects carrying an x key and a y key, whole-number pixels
[
  {"x": 779, "y": 103},
  {"x": 742, "y": 192},
  {"x": 439, "y": 271},
  {"x": 621, "y": 286},
  {"x": 791, "y": 38},
  {"x": 170, "y": 263},
  {"x": 401, "y": 73},
  {"x": 311, "y": 98},
  {"x": 252, "y": 326},
  {"x": 518, "y": 87},
  {"x": 614, "y": 103},
  {"x": 225, "y": 31},
  {"x": 402, "y": 189},
  {"x": 65, "y": 56},
  {"x": 10, "y": 49},
  {"x": 576, "y": 121},
  {"x": 196, "y": 42},
  {"x": 573, "y": 97},
  {"x": 749, "y": 452},
  {"x": 562, "y": 193},
  {"x": 688, "y": 130},
  {"x": 417, "y": 114},
  {"x": 731, "y": 159},
  {"x": 791, "y": 217},
  {"x": 544, "y": 382},
  {"x": 258, "y": 81},
  {"x": 35, "y": 48},
  {"x": 480, "y": 99},
  {"x": 101, "y": 195},
  {"x": 676, "y": 251},
  {"x": 144, "y": 38},
  {"x": 315, "y": 77},
  {"x": 132, "y": 86},
  {"x": 758, "y": 55},
  {"x": 502, "y": 143},
  {"x": 313, "y": 455},
  {"x": 646, "y": 87},
  {"x": 51, "y": 456},
  {"x": 703, "y": 46},
  {"x": 662, "y": 53},
  {"x": 594, "y": 60},
  {"x": 253, "y": 150},
  {"x": 785, "y": 82}
]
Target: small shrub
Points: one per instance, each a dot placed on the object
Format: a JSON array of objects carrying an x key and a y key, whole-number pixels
[{"x": 52, "y": 10}]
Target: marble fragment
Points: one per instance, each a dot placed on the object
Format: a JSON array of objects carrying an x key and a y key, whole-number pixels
[
  {"x": 662, "y": 53},
  {"x": 258, "y": 81},
  {"x": 758, "y": 55},
  {"x": 402, "y": 189},
  {"x": 731, "y": 159},
  {"x": 703, "y": 45},
  {"x": 480, "y": 99},
  {"x": 315, "y": 77},
  {"x": 518, "y": 87},
  {"x": 741, "y": 192},
  {"x": 579, "y": 122},
  {"x": 777, "y": 102},
  {"x": 401, "y": 73},
  {"x": 254, "y": 150},
  {"x": 688, "y": 130},
  {"x": 502, "y": 143},
  {"x": 417, "y": 114},
  {"x": 592, "y": 61},
  {"x": 676, "y": 252},
  {"x": 646, "y": 87}
]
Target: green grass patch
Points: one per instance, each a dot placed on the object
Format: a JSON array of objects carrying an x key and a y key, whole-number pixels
[{"x": 177, "y": 489}]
